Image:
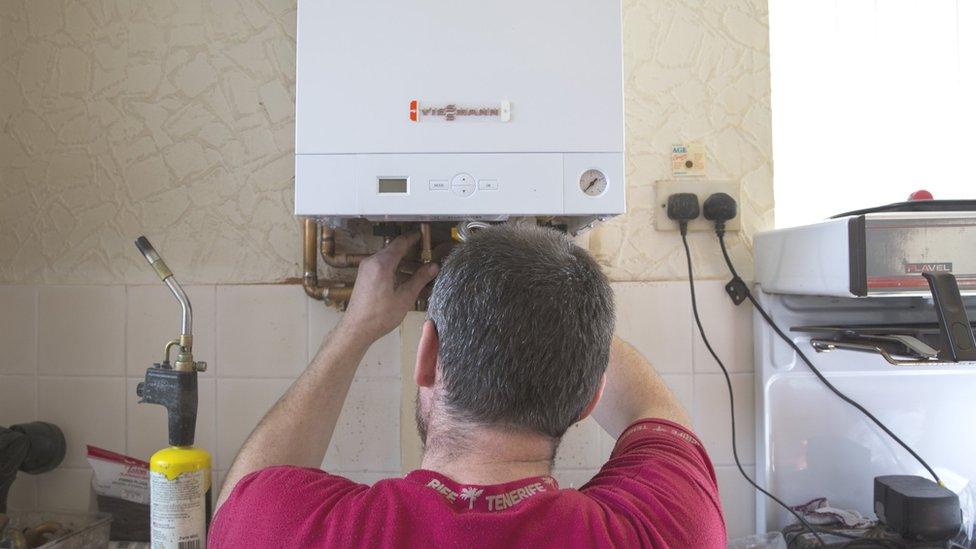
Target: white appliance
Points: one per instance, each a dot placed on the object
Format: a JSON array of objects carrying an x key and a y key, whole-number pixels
[
  {"x": 440, "y": 110},
  {"x": 853, "y": 287}
]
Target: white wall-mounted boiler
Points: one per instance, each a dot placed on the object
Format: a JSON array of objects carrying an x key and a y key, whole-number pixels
[{"x": 441, "y": 110}]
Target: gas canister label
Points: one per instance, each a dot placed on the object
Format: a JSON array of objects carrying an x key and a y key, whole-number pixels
[{"x": 178, "y": 511}]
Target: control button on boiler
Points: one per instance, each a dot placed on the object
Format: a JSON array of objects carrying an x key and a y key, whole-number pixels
[
  {"x": 463, "y": 190},
  {"x": 438, "y": 184},
  {"x": 463, "y": 185},
  {"x": 462, "y": 179},
  {"x": 487, "y": 184}
]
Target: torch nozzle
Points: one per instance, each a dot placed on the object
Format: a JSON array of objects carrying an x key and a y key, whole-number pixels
[
  {"x": 167, "y": 277},
  {"x": 153, "y": 258}
]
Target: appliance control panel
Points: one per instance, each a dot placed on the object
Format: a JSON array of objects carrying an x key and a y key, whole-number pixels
[{"x": 386, "y": 186}]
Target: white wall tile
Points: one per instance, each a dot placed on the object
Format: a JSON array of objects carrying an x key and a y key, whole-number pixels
[
  {"x": 241, "y": 403},
  {"x": 367, "y": 437},
  {"x": 682, "y": 385},
  {"x": 382, "y": 360},
  {"x": 81, "y": 330},
  {"x": 656, "y": 319},
  {"x": 728, "y": 327},
  {"x": 711, "y": 419},
  {"x": 573, "y": 478},
  {"x": 146, "y": 425},
  {"x": 23, "y": 493},
  {"x": 607, "y": 444},
  {"x": 17, "y": 399},
  {"x": 582, "y": 447},
  {"x": 153, "y": 317},
  {"x": 738, "y": 501},
  {"x": 65, "y": 488},
  {"x": 322, "y": 319},
  {"x": 18, "y": 317},
  {"x": 217, "y": 485},
  {"x": 262, "y": 330},
  {"x": 88, "y": 410}
]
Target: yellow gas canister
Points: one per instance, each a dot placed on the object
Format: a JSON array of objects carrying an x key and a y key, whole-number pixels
[{"x": 179, "y": 480}]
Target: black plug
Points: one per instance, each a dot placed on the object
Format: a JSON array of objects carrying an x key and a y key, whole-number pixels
[
  {"x": 683, "y": 207},
  {"x": 719, "y": 208}
]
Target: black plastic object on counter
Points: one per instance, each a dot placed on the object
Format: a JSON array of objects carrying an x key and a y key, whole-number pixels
[
  {"x": 917, "y": 508},
  {"x": 177, "y": 392},
  {"x": 33, "y": 448}
]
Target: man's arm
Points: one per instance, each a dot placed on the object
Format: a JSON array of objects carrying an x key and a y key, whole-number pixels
[
  {"x": 634, "y": 391},
  {"x": 298, "y": 428}
]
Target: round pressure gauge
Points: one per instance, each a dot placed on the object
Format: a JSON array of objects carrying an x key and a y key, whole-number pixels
[{"x": 593, "y": 183}]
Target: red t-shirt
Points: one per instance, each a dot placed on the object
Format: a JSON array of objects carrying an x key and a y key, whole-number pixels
[{"x": 657, "y": 490}]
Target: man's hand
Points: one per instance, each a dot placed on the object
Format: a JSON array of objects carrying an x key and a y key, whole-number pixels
[
  {"x": 298, "y": 429},
  {"x": 378, "y": 305}
]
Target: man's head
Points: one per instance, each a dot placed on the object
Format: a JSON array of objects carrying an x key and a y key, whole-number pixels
[{"x": 519, "y": 331}]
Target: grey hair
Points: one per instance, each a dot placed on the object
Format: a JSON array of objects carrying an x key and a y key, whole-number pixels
[{"x": 524, "y": 318}]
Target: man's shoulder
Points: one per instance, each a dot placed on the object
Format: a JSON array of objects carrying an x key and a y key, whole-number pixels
[
  {"x": 295, "y": 477},
  {"x": 289, "y": 483}
]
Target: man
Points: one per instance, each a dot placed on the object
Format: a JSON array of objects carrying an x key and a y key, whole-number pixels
[{"x": 515, "y": 351}]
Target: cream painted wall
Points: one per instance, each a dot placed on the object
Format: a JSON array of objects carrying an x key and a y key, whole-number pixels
[{"x": 175, "y": 119}]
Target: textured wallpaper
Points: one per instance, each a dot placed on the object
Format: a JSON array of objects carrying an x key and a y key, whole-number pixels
[{"x": 175, "y": 119}]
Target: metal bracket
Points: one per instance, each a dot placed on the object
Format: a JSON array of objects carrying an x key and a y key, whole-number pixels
[{"x": 827, "y": 345}]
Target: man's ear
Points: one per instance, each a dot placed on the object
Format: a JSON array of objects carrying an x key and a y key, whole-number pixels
[
  {"x": 425, "y": 372},
  {"x": 596, "y": 398}
]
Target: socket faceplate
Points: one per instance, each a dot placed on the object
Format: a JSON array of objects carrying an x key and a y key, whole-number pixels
[{"x": 701, "y": 187}]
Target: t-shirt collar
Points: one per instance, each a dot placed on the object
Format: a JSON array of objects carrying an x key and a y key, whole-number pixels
[{"x": 480, "y": 497}]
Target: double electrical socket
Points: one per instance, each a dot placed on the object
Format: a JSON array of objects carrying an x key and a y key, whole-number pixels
[{"x": 703, "y": 189}]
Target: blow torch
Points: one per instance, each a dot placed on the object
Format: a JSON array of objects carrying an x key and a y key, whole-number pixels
[{"x": 179, "y": 475}]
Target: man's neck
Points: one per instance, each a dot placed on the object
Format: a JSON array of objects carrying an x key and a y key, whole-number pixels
[{"x": 486, "y": 455}]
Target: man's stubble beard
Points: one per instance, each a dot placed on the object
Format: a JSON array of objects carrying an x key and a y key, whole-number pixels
[{"x": 421, "y": 417}]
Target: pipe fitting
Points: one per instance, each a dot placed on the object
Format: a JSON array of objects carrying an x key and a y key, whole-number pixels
[
  {"x": 332, "y": 291},
  {"x": 426, "y": 255},
  {"x": 463, "y": 229},
  {"x": 333, "y": 259}
]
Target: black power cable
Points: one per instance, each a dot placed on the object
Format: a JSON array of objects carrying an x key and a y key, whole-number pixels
[
  {"x": 720, "y": 232},
  {"x": 728, "y": 382}
]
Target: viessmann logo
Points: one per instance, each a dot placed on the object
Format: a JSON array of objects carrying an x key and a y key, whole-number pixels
[{"x": 499, "y": 112}]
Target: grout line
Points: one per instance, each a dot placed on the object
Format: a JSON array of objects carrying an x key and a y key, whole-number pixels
[
  {"x": 84, "y": 376},
  {"x": 37, "y": 351},
  {"x": 358, "y": 377},
  {"x": 125, "y": 369},
  {"x": 35, "y": 491},
  {"x": 308, "y": 327},
  {"x": 213, "y": 371},
  {"x": 125, "y": 415},
  {"x": 21, "y": 376},
  {"x": 215, "y": 459}
]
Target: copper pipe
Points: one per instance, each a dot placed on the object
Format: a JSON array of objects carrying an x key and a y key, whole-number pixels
[
  {"x": 425, "y": 252},
  {"x": 338, "y": 294},
  {"x": 335, "y": 292},
  {"x": 329, "y": 255},
  {"x": 310, "y": 276}
]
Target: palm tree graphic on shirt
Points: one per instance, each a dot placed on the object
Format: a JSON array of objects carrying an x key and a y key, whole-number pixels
[{"x": 470, "y": 494}]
